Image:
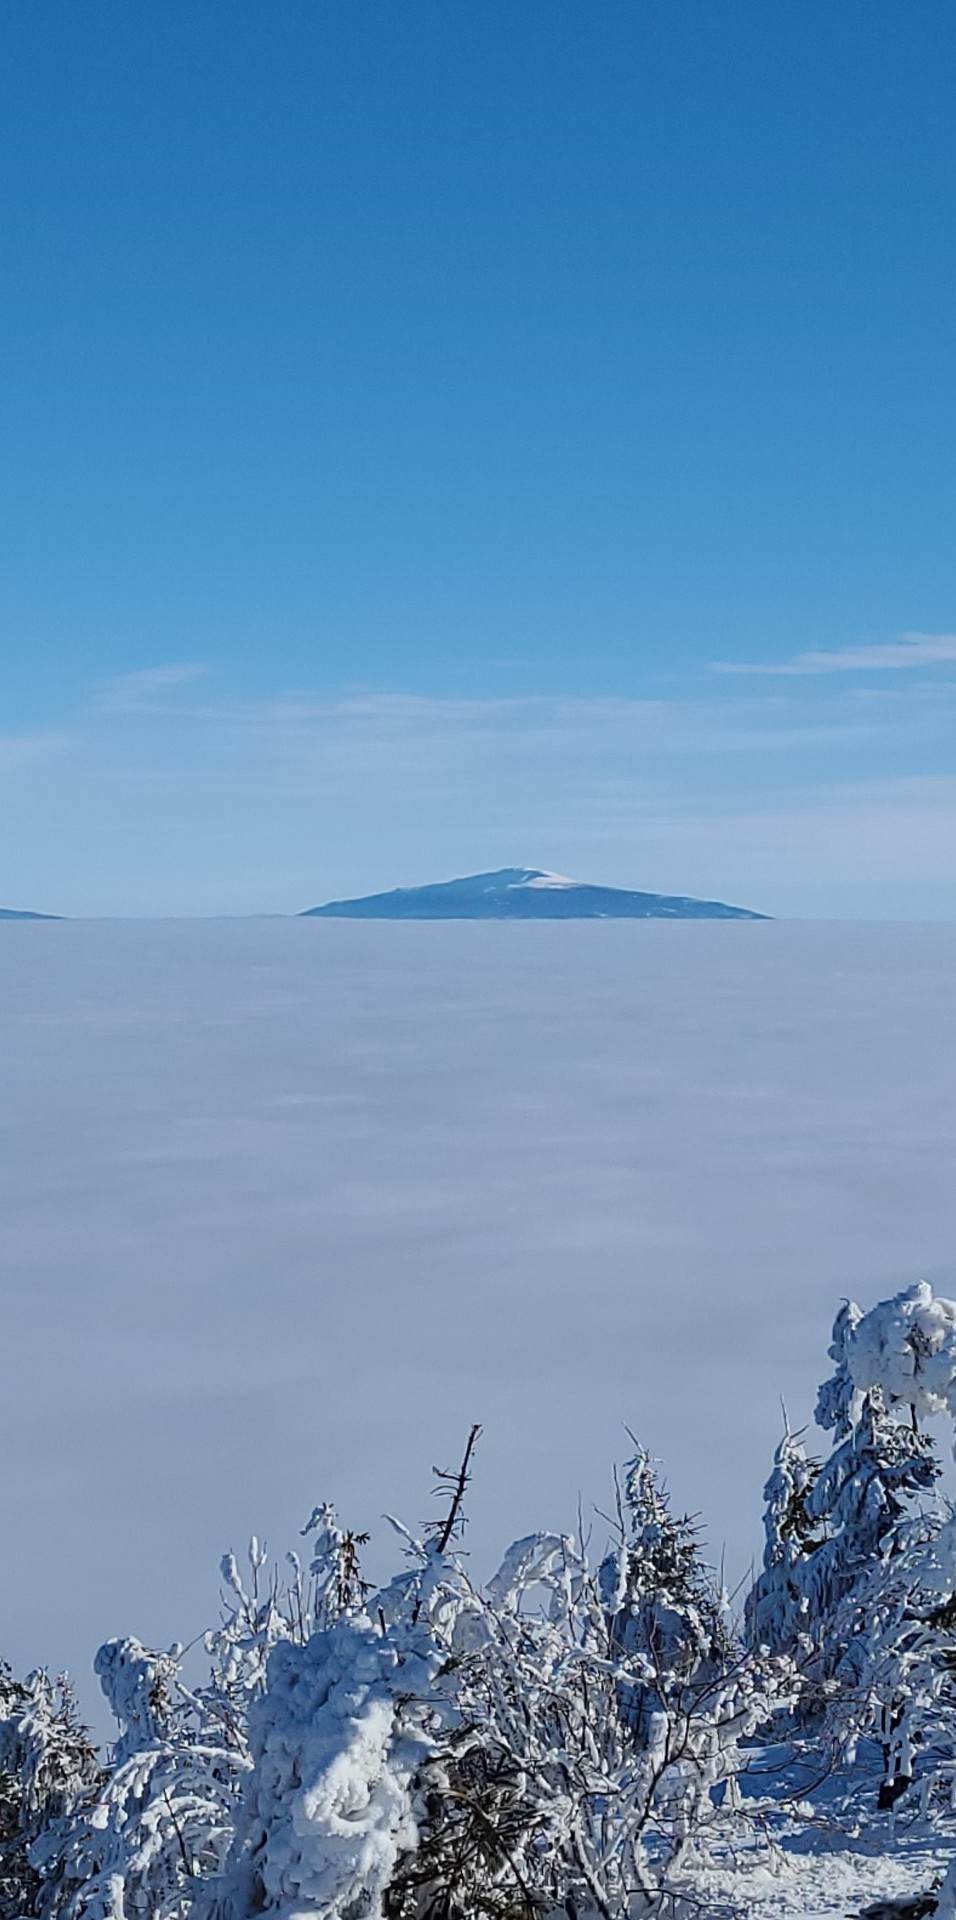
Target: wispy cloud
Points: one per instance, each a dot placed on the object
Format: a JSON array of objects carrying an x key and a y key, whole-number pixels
[
  {"x": 772, "y": 793},
  {"x": 25, "y": 749},
  {"x": 867, "y": 848},
  {"x": 393, "y": 721},
  {"x": 910, "y": 650},
  {"x": 142, "y": 689}
]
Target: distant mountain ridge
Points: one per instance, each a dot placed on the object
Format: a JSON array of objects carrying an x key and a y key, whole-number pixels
[
  {"x": 20, "y": 913},
  {"x": 524, "y": 893}
]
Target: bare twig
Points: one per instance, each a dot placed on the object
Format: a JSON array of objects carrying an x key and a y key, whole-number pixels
[{"x": 455, "y": 1484}]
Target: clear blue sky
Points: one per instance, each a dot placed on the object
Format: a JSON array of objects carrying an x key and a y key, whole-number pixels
[{"x": 411, "y": 412}]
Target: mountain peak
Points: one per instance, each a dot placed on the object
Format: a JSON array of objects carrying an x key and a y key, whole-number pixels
[
  {"x": 525, "y": 893},
  {"x": 21, "y": 913}
]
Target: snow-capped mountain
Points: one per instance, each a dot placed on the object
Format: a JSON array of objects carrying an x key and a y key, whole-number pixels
[{"x": 525, "y": 893}]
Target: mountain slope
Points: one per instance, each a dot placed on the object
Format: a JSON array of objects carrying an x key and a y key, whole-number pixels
[
  {"x": 20, "y": 913},
  {"x": 524, "y": 893}
]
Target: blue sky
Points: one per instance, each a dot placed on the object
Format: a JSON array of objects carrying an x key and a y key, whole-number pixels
[{"x": 440, "y": 437}]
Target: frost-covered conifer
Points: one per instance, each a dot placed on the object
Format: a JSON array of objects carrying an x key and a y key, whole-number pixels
[
  {"x": 777, "y": 1606},
  {"x": 863, "y": 1493},
  {"x": 905, "y": 1347},
  {"x": 338, "y": 1739},
  {"x": 827, "y": 1527},
  {"x": 161, "y": 1818},
  {"x": 895, "y": 1674},
  {"x": 47, "y": 1763},
  {"x": 152, "y": 1833},
  {"x": 661, "y": 1604},
  {"x": 859, "y": 1569}
]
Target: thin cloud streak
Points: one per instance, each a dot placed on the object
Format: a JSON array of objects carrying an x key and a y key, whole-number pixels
[
  {"x": 910, "y": 651},
  {"x": 139, "y": 690},
  {"x": 399, "y": 720},
  {"x": 26, "y": 749}
]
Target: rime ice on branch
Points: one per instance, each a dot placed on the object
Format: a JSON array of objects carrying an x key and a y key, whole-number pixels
[{"x": 567, "y": 1738}]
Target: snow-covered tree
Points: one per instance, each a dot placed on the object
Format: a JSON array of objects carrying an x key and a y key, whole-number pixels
[
  {"x": 563, "y": 1738},
  {"x": 47, "y": 1764},
  {"x": 337, "y": 1740},
  {"x": 827, "y": 1526},
  {"x": 156, "y": 1831},
  {"x": 661, "y": 1603},
  {"x": 447, "y": 1749},
  {"x": 895, "y": 1674},
  {"x": 777, "y": 1607},
  {"x": 859, "y": 1574},
  {"x": 161, "y": 1817},
  {"x": 864, "y": 1492},
  {"x": 905, "y": 1347}
]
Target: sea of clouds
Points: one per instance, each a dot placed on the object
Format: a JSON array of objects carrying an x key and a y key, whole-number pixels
[{"x": 285, "y": 1205}]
